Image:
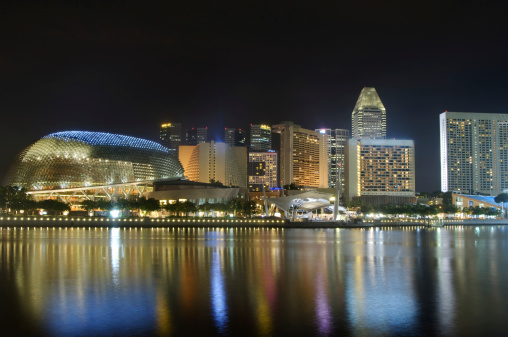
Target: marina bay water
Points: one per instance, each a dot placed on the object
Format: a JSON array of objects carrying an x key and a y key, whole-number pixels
[{"x": 385, "y": 281}]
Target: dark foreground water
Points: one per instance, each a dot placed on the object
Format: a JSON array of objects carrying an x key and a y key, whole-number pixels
[{"x": 268, "y": 282}]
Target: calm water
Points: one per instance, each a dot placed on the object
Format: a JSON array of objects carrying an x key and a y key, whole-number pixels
[{"x": 183, "y": 282}]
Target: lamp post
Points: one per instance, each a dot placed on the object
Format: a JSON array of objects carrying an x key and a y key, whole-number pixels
[{"x": 336, "y": 203}]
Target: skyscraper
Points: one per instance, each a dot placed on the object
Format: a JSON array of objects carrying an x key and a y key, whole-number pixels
[
  {"x": 217, "y": 161},
  {"x": 262, "y": 170},
  {"x": 474, "y": 152},
  {"x": 369, "y": 116},
  {"x": 336, "y": 141},
  {"x": 260, "y": 137},
  {"x": 171, "y": 135},
  {"x": 234, "y": 137},
  {"x": 299, "y": 155},
  {"x": 196, "y": 136},
  {"x": 380, "y": 171}
]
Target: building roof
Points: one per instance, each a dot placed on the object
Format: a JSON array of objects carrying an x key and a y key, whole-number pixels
[
  {"x": 369, "y": 98},
  {"x": 307, "y": 201}
]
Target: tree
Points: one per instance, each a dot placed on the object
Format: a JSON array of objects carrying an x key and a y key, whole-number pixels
[
  {"x": 149, "y": 205},
  {"x": 89, "y": 205},
  {"x": 501, "y": 198},
  {"x": 54, "y": 206}
]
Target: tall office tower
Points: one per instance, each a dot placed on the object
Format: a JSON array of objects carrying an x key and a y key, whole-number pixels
[
  {"x": 262, "y": 170},
  {"x": 299, "y": 155},
  {"x": 380, "y": 171},
  {"x": 196, "y": 136},
  {"x": 217, "y": 161},
  {"x": 369, "y": 116},
  {"x": 335, "y": 142},
  {"x": 171, "y": 135},
  {"x": 234, "y": 137},
  {"x": 474, "y": 152},
  {"x": 260, "y": 137}
]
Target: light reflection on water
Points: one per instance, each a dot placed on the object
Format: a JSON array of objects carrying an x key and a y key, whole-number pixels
[{"x": 362, "y": 282}]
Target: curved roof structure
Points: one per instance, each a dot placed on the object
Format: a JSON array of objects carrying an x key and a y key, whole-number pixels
[{"x": 82, "y": 159}]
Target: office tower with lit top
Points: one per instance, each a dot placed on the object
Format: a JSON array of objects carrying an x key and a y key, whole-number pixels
[
  {"x": 234, "y": 137},
  {"x": 300, "y": 155},
  {"x": 195, "y": 136},
  {"x": 260, "y": 137},
  {"x": 474, "y": 152},
  {"x": 335, "y": 142},
  {"x": 171, "y": 135},
  {"x": 369, "y": 116}
]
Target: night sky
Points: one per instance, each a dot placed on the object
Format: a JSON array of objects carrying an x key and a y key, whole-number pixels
[{"x": 127, "y": 66}]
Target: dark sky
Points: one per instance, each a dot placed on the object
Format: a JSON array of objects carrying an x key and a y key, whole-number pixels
[{"x": 127, "y": 66}]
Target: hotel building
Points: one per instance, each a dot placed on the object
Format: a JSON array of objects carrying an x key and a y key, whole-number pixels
[
  {"x": 300, "y": 155},
  {"x": 474, "y": 152},
  {"x": 369, "y": 116},
  {"x": 215, "y": 161},
  {"x": 380, "y": 171}
]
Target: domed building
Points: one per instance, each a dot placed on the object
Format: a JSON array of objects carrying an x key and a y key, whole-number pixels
[{"x": 84, "y": 160}]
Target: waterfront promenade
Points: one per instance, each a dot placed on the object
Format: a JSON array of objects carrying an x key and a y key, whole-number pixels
[{"x": 48, "y": 221}]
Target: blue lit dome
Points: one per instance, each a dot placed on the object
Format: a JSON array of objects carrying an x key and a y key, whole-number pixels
[{"x": 74, "y": 159}]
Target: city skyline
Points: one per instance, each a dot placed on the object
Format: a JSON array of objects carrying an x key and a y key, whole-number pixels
[{"x": 126, "y": 68}]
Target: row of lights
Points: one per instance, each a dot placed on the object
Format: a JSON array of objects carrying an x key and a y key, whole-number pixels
[{"x": 136, "y": 220}]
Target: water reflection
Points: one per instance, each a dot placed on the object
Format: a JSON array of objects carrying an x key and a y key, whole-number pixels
[{"x": 182, "y": 281}]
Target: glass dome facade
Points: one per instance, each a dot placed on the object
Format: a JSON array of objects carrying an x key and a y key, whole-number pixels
[{"x": 75, "y": 159}]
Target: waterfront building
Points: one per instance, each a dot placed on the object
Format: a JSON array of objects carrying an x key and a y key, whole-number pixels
[
  {"x": 300, "y": 155},
  {"x": 369, "y": 116},
  {"x": 78, "y": 164},
  {"x": 335, "y": 143},
  {"x": 260, "y": 137},
  {"x": 215, "y": 161},
  {"x": 380, "y": 171},
  {"x": 196, "y": 136},
  {"x": 262, "y": 170},
  {"x": 463, "y": 201},
  {"x": 170, "y": 135},
  {"x": 474, "y": 152},
  {"x": 234, "y": 137}
]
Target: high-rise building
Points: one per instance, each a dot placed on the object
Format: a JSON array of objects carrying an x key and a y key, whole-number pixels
[
  {"x": 335, "y": 142},
  {"x": 474, "y": 152},
  {"x": 260, "y": 137},
  {"x": 262, "y": 170},
  {"x": 234, "y": 137},
  {"x": 171, "y": 135},
  {"x": 196, "y": 136},
  {"x": 380, "y": 171},
  {"x": 369, "y": 116},
  {"x": 300, "y": 155},
  {"x": 215, "y": 161}
]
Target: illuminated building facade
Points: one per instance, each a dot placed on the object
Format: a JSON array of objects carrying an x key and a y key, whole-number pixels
[
  {"x": 380, "y": 170},
  {"x": 335, "y": 141},
  {"x": 234, "y": 137},
  {"x": 196, "y": 136},
  {"x": 82, "y": 160},
  {"x": 369, "y": 116},
  {"x": 474, "y": 152},
  {"x": 300, "y": 155},
  {"x": 260, "y": 137},
  {"x": 262, "y": 170},
  {"x": 171, "y": 135},
  {"x": 215, "y": 161}
]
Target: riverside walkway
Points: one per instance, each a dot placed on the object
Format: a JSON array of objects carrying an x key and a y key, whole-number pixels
[{"x": 48, "y": 221}]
